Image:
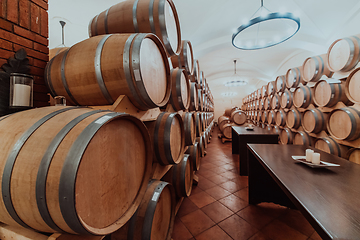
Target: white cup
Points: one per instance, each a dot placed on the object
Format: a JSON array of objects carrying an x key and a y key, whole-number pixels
[
  {"x": 309, "y": 155},
  {"x": 316, "y": 158}
]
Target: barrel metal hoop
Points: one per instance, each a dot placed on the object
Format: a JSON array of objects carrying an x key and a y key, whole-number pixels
[
  {"x": 96, "y": 25},
  {"x": 63, "y": 78},
  {"x": 10, "y": 162},
  {"x": 106, "y": 21},
  {"x": 150, "y": 210},
  {"x": 352, "y": 52},
  {"x": 317, "y": 70},
  {"x": 156, "y": 140},
  {"x": 183, "y": 170},
  {"x": 178, "y": 89},
  {"x": 45, "y": 165},
  {"x": 151, "y": 16},
  {"x": 135, "y": 63},
  {"x": 98, "y": 72},
  {"x": 166, "y": 135},
  {"x": 134, "y": 16},
  {"x": 126, "y": 63},
  {"x": 358, "y": 42},
  {"x": 186, "y": 64},
  {"x": 70, "y": 168},
  {"x": 48, "y": 81},
  {"x": 332, "y": 149},
  {"x": 353, "y": 122}
]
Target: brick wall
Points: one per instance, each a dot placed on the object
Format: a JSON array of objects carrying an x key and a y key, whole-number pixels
[{"x": 24, "y": 24}]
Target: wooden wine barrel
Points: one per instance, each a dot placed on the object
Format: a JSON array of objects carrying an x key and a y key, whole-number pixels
[
  {"x": 344, "y": 54},
  {"x": 271, "y": 117},
  {"x": 303, "y": 138},
  {"x": 280, "y": 119},
  {"x": 143, "y": 16},
  {"x": 262, "y": 104},
  {"x": 286, "y": 136},
  {"x": 53, "y": 158},
  {"x": 352, "y": 86},
  {"x": 353, "y": 155},
  {"x": 201, "y": 80},
  {"x": 264, "y": 91},
  {"x": 110, "y": 66},
  {"x": 206, "y": 140},
  {"x": 280, "y": 83},
  {"x": 294, "y": 77},
  {"x": 303, "y": 97},
  {"x": 226, "y": 130},
  {"x": 185, "y": 59},
  {"x": 199, "y": 125},
  {"x": 329, "y": 94},
  {"x": 294, "y": 119},
  {"x": 189, "y": 128},
  {"x": 267, "y": 102},
  {"x": 315, "y": 67},
  {"x": 181, "y": 177},
  {"x": 168, "y": 136},
  {"x": 259, "y": 116},
  {"x": 276, "y": 129},
  {"x": 202, "y": 119},
  {"x": 270, "y": 88},
  {"x": 200, "y": 140},
  {"x": 268, "y": 127},
  {"x": 314, "y": 120},
  {"x": 286, "y": 100},
  {"x": 55, "y": 51},
  {"x": 196, "y": 72},
  {"x": 238, "y": 117},
  {"x": 329, "y": 145},
  {"x": 275, "y": 101},
  {"x": 194, "y": 103},
  {"x": 180, "y": 89},
  {"x": 344, "y": 123},
  {"x": 154, "y": 219},
  {"x": 264, "y": 116},
  {"x": 200, "y": 100},
  {"x": 259, "y": 94},
  {"x": 194, "y": 152},
  {"x": 229, "y": 111}
]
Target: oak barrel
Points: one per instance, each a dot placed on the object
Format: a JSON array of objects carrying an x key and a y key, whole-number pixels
[
  {"x": 329, "y": 145},
  {"x": 344, "y": 123},
  {"x": 271, "y": 117},
  {"x": 181, "y": 177},
  {"x": 275, "y": 101},
  {"x": 154, "y": 219},
  {"x": 286, "y": 136},
  {"x": 344, "y": 54},
  {"x": 280, "y": 83},
  {"x": 143, "y": 16},
  {"x": 185, "y": 59},
  {"x": 194, "y": 152},
  {"x": 294, "y": 77},
  {"x": 259, "y": 116},
  {"x": 276, "y": 129},
  {"x": 200, "y": 140},
  {"x": 329, "y": 94},
  {"x": 189, "y": 128},
  {"x": 194, "y": 103},
  {"x": 352, "y": 86},
  {"x": 303, "y": 97},
  {"x": 280, "y": 119},
  {"x": 264, "y": 116},
  {"x": 98, "y": 70},
  {"x": 353, "y": 155},
  {"x": 180, "y": 89},
  {"x": 226, "y": 130},
  {"x": 270, "y": 88},
  {"x": 303, "y": 138},
  {"x": 315, "y": 67},
  {"x": 286, "y": 100},
  {"x": 264, "y": 91},
  {"x": 314, "y": 120},
  {"x": 294, "y": 119},
  {"x": 238, "y": 117},
  {"x": 66, "y": 169},
  {"x": 55, "y": 51},
  {"x": 168, "y": 137},
  {"x": 267, "y": 102},
  {"x": 199, "y": 124},
  {"x": 229, "y": 111},
  {"x": 196, "y": 72}
]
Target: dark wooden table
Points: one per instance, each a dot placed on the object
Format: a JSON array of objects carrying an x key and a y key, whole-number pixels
[
  {"x": 241, "y": 137},
  {"x": 329, "y": 198}
]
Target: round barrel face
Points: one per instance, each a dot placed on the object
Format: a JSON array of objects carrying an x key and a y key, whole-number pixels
[
  {"x": 290, "y": 78},
  {"x": 184, "y": 86},
  {"x": 107, "y": 171},
  {"x": 299, "y": 97},
  {"x": 171, "y": 26},
  {"x": 353, "y": 87},
  {"x": 227, "y": 130},
  {"x": 290, "y": 119},
  {"x": 189, "y": 56},
  {"x": 153, "y": 71},
  {"x": 309, "y": 69},
  {"x": 161, "y": 223},
  {"x": 339, "y": 55},
  {"x": 322, "y": 94},
  {"x": 340, "y": 124},
  {"x": 309, "y": 121},
  {"x": 175, "y": 138},
  {"x": 298, "y": 139},
  {"x": 354, "y": 155},
  {"x": 323, "y": 145},
  {"x": 284, "y": 136}
]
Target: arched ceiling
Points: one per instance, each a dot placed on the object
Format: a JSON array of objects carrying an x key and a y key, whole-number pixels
[{"x": 209, "y": 25}]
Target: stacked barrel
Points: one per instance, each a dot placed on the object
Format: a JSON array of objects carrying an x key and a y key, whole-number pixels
[
  {"x": 85, "y": 170},
  {"x": 233, "y": 116},
  {"x": 316, "y": 104}
]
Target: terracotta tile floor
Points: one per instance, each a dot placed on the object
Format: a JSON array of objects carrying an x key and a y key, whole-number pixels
[{"x": 218, "y": 207}]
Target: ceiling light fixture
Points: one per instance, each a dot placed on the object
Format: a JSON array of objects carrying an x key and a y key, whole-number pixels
[
  {"x": 266, "y": 30},
  {"x": 236, "y": 79}
]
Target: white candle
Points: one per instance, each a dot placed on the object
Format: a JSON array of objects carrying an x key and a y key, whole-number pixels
[
  {"x": 21, "y": 95},
  {"x": 309, "y": 155},
  {"x": 316, "y": 158}
]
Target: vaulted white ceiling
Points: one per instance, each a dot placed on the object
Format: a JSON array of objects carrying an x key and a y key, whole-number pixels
[{"x": 209, "y": 25}]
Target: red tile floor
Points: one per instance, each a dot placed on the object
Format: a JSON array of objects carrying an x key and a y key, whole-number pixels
[{"x": 218, "y": 207}]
